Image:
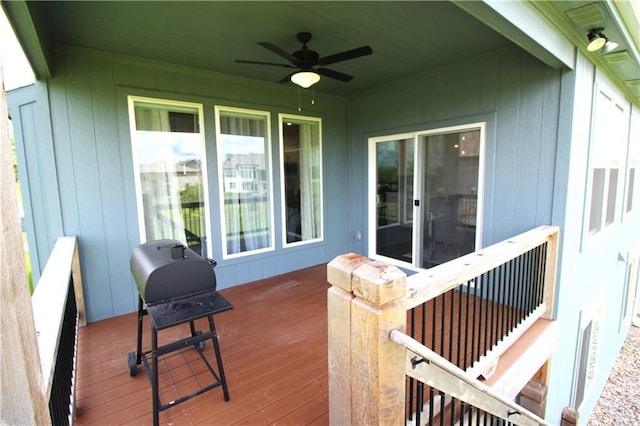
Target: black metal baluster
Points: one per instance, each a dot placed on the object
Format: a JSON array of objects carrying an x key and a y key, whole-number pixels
[
  {"x": 512, "y": 298},
  {"x": 411, "y": 383},
  {"x": 460, "y": 363},
  {"x": 485, "y": 298},
  {"x": 452, "y": 420},
  {"x": 492, "y": 326},
  {"x": 443, "y": 297}
]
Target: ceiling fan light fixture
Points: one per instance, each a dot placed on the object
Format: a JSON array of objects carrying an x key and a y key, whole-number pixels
[
  {"x": 597, "y": 40},
  {"x": 305, "y": 79}
]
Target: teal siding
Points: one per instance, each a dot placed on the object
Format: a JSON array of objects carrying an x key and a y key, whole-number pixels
[
  {"x": 516, "y": 94},
  {"x": 587, "y": 266},
  {"x": 88, "y": 99},
  {"x": 37, "y": 172}
]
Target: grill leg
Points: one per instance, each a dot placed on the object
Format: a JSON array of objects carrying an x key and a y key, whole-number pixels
[
  {"x": 216, "y": 347},
  {"x": 140, "y": 315},
  {"x": 154, "y": 374}
]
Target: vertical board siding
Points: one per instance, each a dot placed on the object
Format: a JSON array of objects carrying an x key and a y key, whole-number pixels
[
  {"x": 37, "y": 171},
  {"x": 94, "y": 166},
  {"x": 524, "y": 96},
  {"x": 112, "y": 186}
]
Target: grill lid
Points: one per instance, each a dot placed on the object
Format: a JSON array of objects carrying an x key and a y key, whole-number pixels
[{"x": 166, "y": 270}]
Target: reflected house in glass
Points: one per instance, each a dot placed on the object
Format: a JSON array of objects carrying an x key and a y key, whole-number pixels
[{"x": 245, "y": 173}]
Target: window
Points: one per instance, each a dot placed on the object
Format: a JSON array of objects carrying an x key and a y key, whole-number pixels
[
  {"x": 424, "y": 194},
  {"x": 630, "y": 286},
  {"x": 632, "y": 175},
  {"x": 608, "y": 146},
  {"x": 170, "y": 171},
  {"x": 588, "y": 348},
  {"x": 244, "y": 159},
  {"x": 301, "y": 162},
  {"x": 633, "y": 164}
]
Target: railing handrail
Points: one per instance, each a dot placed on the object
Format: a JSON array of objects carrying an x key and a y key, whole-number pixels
[
  {"x": 49, "y": 301},
  {"x": 424, "y": 286},
  {"x": 464, "y": 387}
]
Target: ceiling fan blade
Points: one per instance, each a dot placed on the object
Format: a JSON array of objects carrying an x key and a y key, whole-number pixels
[
  {"x": 343, "y": 56},
  {"x": 275, "y": 49},
  {"x": 265, "y": 63},
  {"x": 334, "y": 74}
]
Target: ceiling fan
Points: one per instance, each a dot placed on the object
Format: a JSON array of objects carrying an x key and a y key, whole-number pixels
[{"x": 309, "y": 63}]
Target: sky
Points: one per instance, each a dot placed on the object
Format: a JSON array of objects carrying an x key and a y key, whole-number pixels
[{"x": 15, "y": 68}]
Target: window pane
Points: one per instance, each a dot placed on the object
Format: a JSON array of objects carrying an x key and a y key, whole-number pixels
[
  {"x": 632, "y": 175},
  {"x": 450, "y": 194},
  {"x": 597, "y": 194},
  {"x": 302, "y": 167},
  {"x": 394, "y": 197},
  {"x": 583, "y": 367},
  {"x": 168, "y": 153},
  {"x": 243, "y": 157},
  {"x": 611, "y": 197}
]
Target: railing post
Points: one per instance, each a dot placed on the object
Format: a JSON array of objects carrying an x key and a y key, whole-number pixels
[
  {"x": 550, "y": 274},
  {"x": 366, "y": 369}
]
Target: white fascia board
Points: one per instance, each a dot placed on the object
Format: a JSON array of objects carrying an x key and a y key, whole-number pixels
[{"x": 524, "y": 25}]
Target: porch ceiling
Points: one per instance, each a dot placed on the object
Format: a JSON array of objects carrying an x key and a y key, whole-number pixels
[{"x": 406, "y": 37}]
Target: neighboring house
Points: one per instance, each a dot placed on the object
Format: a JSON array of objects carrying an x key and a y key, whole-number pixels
[
  {"x": 492, "y": 114},
  {"x": 243, "y": 173}
]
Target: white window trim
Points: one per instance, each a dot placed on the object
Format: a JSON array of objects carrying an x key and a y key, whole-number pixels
[
  {"x": 131, "y": 100},
  {"x": 593, "y": 312},
  {"x": 633, "y": 162},
  {"x": 372, "y": 190},
  {"x": 630, "y": 288},
  {"x": 218, "y": 109},
  {"x": 373, "y": 194},
  {"x": 283, "y": 202},
  {"x": 590, "y": 237}
]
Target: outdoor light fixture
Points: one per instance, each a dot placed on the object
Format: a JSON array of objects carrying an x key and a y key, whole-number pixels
[
  {"x": 597, "y": 40},
  {"x": 305, "y": 79},
  {"x": 609, "y": 46}
]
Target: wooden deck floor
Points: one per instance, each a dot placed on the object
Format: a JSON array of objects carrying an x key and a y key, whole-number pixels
[{"x": 274, "y": 348}]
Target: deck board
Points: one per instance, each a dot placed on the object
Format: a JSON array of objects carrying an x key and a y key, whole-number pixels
[{"x": 274, "y": 349}]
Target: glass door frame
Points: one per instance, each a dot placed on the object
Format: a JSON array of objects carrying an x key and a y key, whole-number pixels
[{"x": 417, "y": 220}]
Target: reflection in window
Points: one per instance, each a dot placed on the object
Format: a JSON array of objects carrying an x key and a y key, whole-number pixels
[
  {"x": 611, "y": 195},
  {"x": 632, "y": 174},
  {"x": 168, "y": 156},
  {"x": 302, "y": 178},
  {"x": 245, "y": 176},
  {"x": 597, "y": 195}
]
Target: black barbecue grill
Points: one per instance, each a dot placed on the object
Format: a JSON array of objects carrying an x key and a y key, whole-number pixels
[{"x": 175, "y": 286}]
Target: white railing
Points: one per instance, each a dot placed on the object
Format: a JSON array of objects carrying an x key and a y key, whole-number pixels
[{"x": 58, "y": 310}]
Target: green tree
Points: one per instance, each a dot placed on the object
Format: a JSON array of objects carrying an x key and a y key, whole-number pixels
[{"x": 191, "y": 194}]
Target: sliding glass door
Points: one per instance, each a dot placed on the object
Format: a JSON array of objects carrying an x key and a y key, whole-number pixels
[
  {"x": 424, "y": 192},
  {"x": 449, "y": 195},
  {"x": 393, "y": 177}
]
